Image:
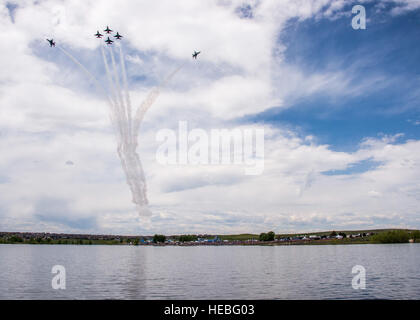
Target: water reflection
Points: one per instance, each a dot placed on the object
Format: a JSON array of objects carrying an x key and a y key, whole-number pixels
[{"x": 130, "y": 272}]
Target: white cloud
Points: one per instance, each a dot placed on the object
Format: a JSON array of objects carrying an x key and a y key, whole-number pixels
[
  {"x": 404, "y": 6},
  {"x": 48, "y": 119}
]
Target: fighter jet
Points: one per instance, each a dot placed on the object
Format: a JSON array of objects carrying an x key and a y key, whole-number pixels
[
  {"x": 52, "y": 43},
  {"x": 98, "y": 35},
  {"x": 108, "y": 41},
  {"x": 195, "y": 54},
  {"x": 118, "y": 36},
  {"x": 108, "y": 30}
]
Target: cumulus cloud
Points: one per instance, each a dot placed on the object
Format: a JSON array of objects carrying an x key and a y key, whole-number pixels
[{"x": 50, "y": 114}]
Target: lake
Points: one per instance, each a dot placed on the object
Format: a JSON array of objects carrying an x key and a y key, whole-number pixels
[{"x": 210, "y": 272}]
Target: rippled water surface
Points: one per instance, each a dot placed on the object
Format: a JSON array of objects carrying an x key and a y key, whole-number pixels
[{"x": 225, "y": 272}]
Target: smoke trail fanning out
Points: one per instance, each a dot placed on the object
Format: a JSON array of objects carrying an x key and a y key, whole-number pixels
[
  {"x": 126, "y": 127},
  {"x": 150, "y": 99},
  {"x": 86, "y": 71}
]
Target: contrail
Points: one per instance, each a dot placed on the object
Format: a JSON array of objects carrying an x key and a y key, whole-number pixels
[
  {"x": 92, "y": 78},
  {"x": 127, "y": 95},
  {"x": 126, "y": 127},
  {"x": 117, "y": 82},
  {"x": 86, "y": 71},
  {"x": 150, "y": 99},
  {"x": 130, "y": 161},
  {"x": 146, "y": 104},
  {"x": 114, "y": 108},
  {"x": 109, "y": 77}
]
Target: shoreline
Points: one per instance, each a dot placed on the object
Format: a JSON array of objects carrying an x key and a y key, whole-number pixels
[
  {"x": 321, "y": 238},
  {"x": 212, "y": 245}
]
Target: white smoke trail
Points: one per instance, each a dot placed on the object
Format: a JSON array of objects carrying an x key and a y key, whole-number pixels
[
  {"x": 130, "y": 160},
  {"x": 117, "y": 82},
  {"x": 86, "y": 71},
  {"x": 115, "y": 114},
  {"x": 92, "y": 77},
  {"x": 148, "y": 102},
  {"x": 125, "y": 126},
  {"x": 126, "y": 93},
  {"x": 108, "y": 74}
]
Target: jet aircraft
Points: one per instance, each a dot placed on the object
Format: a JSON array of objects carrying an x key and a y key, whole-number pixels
[
  {"x": 52, "y": 43},
  {"x": 108, "y": 41}
]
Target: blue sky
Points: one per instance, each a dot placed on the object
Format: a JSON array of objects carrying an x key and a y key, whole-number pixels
[
  {"x": 339, "y": 108},
  {"x": 389, "y": 48}
]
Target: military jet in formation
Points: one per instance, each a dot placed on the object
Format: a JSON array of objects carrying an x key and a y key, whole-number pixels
[
  {"x": 108, "y": 31},
  {"x": 118, "y": 36},
  {"x": 52, "y": 43},
  {"x": 195, "y": 54}
]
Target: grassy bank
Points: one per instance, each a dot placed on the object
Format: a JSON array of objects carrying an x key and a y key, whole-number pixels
[
  {"x": 396, "y": 236},
  {"x": 18, "y": 240},
  {"x": 322, "y": 238},
  {"x": 246, "y": 236}
]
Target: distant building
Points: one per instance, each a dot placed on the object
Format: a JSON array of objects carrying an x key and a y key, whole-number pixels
[{"x": 314, "y": 237}]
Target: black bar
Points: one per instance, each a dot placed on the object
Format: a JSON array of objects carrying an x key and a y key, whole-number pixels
[{"x": 209, "y": 309}]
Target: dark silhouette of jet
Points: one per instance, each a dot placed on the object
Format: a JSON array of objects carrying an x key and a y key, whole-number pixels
[
  {"x": 108, "y": 30},
  {"x": 118, "y": 36},
  {"x": 52, "y": 43},
  {"x": 195, "y": 54},
  {"x": 98, "y": 35},
  {"x": 108, "y": 41}
]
